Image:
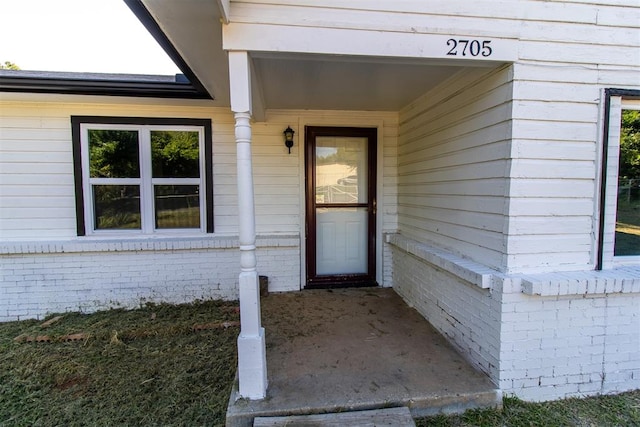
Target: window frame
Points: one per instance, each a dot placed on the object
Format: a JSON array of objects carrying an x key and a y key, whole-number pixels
[
  {"x": 616, "y": 100},
  {"x": 145, "y": 125}
]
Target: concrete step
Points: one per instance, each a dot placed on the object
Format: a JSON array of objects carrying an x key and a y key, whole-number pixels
[{"x": 396, "y": 417}]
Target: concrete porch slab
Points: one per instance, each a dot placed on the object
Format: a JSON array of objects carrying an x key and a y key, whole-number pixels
[{"x": 358, "y": 349}]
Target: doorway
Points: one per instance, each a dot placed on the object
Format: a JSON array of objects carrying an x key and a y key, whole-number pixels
[{"x": 341, "y": 206}]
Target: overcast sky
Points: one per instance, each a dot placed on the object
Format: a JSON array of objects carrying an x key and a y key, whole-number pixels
[{"x": 78, "y": 35}]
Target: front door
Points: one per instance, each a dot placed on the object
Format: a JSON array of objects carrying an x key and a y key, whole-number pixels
[{"x": 341, "y": 206}]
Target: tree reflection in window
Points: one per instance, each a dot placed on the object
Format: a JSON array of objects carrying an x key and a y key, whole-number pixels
[
  {"x": 114, "y": 154},
  {"x": 627, "y": 240},
  {"x": 175, "y": 154},
  {"x": 117, "y": 207}
]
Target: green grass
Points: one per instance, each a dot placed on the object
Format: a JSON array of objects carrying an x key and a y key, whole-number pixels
[
  {"x": 141, "y": 367},
  {"x": 148, "y": 367},
  {"x": 616, "y": 410}
]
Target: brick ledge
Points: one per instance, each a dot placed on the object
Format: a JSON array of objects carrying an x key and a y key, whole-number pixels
[
  {"x": 619, "y": 280},
  {"x": 172, "y": 243},
  {"x": 467, "y": 270}
]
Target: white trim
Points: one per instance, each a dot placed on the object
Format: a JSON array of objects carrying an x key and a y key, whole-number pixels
[
  {"x": 146, "y": 181},
  {"x": 225, "y": 8},
  {"x": 616, "y": 105},
  {"x": 261, "y": 37}
]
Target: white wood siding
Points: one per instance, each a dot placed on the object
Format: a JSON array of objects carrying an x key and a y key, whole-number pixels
[
  {"x": 37, "y": 199},
  {"x": 453, "y": 163},
  {"x": 567, "y": 53},
  {"x": 556, "y": 147}
]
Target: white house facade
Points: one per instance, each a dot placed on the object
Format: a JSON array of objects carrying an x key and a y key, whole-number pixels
[{"x": 465, "y": 154}]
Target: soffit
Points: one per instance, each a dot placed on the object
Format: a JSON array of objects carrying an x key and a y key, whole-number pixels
[{"x": 344, "y": 83}]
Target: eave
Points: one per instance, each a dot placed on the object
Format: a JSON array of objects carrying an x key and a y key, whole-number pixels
[{"x": 92, "y": 86}]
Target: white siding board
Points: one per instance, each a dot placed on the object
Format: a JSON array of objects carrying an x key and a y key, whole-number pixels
[
  {"x": 619, "y": 77},
  {"x": 555, "y": 111},
  {"x": 568, "y": 131},
  {"x": 481, "y": 8},
  {"x": 496, "y": 134},
  {"x": 552, "y": 188},
  {"x": 580, "y": 33},
  {"x": 552, "y": 169},
  {"x": 371, "y": 20},
  {"x": 446, "y": 155},
  {"x": 554, "y": 150},
  {"x": 572, "y": 258},
  {"x": 620, "y": 17},
  {"x": 555, "y": 91},
  {"x": 537, "y": 206},
  {"x": 446, "y": 108},
  {"x": 478, "y": 187},
  {"x": 542, "y": 225},
  {"x": 562, "y": 246},
  {"x": 471, "y": 203},
  {"x": 460, "y": 172},
  {"x": 547, "y": 73},
  {"x": 575, "y": 53}
]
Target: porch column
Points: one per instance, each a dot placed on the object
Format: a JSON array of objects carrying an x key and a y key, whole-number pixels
[{"x": 252, "y": 361}]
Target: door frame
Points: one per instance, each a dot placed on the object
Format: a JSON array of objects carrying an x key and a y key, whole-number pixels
[{"x": 310, "y": 280}]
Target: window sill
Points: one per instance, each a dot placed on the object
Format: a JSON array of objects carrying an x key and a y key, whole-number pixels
[{"x": 618, "y": 280}]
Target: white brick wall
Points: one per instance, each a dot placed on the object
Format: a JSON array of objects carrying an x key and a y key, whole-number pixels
[
  {"x": 571, "y": 345},
  {"x": 41, "y": 278},
  {"x": 538, "y": 347}
]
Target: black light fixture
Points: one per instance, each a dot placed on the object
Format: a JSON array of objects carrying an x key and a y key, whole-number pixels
[{"x": 288, "y": 137}]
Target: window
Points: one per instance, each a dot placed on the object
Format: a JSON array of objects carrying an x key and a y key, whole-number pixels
[
  {"x": 142, "y": 176},
  {"x": 620, "y": 211}
]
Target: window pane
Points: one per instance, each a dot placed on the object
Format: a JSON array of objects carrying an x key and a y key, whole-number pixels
[
  {"x": 177, "y": 206},
  {"x": 116, "y": 207},
  {"x": 627, "y": 241},
  {"x": 341, "y": 169},
  {"x": 175, "y": 154},
  {"x": 113, "y": 154}
]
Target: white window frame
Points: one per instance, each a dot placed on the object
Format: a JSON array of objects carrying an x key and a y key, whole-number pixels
[
  {"x": 145, "y": 181},
  {"x": 609, "y": 260}
]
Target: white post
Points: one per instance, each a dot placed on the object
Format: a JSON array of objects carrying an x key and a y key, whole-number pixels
[{"x": 252, "y": 360}]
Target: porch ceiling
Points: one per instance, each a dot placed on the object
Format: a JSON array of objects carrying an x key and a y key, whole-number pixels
[
  {"x": 344, "y": 83},
  {"x": 289, "y": 80}
]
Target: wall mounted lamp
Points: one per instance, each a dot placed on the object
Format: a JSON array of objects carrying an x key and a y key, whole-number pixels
[{"x": 288, "y": 137}]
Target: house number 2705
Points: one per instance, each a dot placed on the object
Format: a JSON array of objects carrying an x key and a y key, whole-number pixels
[{"x": 469, "y": 47}]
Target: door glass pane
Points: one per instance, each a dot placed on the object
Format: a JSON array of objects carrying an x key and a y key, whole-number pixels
[
  {"x": 341, "y": 241},
  {"x": 177, "y": 206},
  {"x": 116, "y": 207},
  {"x": 341, "y": 170},
  {"x": 113, "y": 154},
  {"x": 175, "y": 154},
  {"x": 627, "y": 239}
]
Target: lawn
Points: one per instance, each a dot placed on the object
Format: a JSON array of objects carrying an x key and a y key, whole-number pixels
[
  {"x": 164, "y": 365},
  {"x": 158, "y": 365}
]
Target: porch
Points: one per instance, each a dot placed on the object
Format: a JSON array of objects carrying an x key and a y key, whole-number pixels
[{"x": 357, "y": 349}]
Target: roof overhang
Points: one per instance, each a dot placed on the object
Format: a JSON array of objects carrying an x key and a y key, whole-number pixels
[
  {"x": 99, "y": 84},
  {"x": 283, "y": 79}
]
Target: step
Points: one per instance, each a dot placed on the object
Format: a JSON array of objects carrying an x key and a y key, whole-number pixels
[{"x": 397, "y": 417}]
